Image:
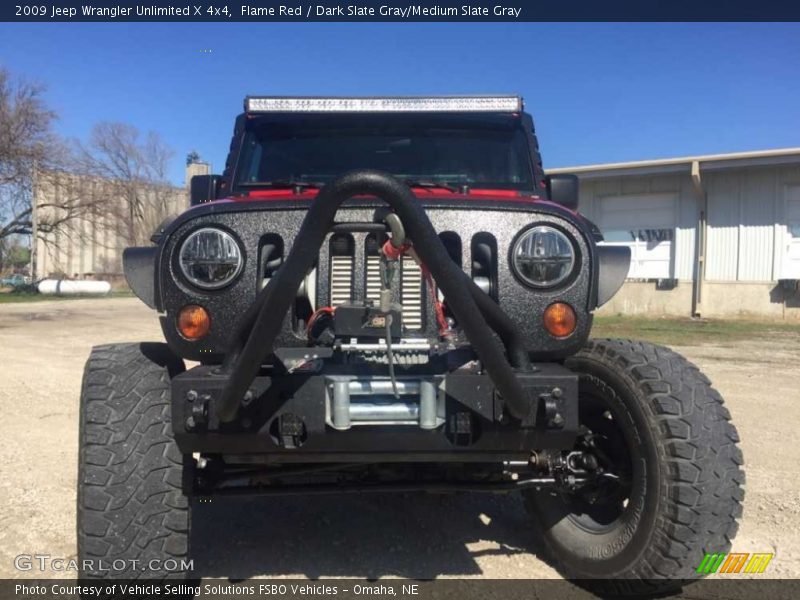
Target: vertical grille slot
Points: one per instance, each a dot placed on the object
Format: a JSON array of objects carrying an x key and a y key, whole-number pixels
[
  {"x": 270, "y": 257},
  {"x": 341, "y": 279},
  {"x": 411, "y": 284},
  {"x": 411, "y": 290},
  {"x": 342, "y": 254},
  {"x": 484, "y": 262},
  {"x": 452, "y": 243},
  {"x": 373, "y": 291}
]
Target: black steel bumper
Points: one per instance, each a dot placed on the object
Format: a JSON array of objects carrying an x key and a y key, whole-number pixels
[{"x": 291, "y": 418}]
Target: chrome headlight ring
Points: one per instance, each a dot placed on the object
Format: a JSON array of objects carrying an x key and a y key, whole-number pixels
[
  {"x": 210, "y": 258},
  {"x": 543, "y": 256}
]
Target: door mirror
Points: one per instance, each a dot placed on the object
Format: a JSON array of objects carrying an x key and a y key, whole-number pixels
[
  {"x": 204, "y": 188},
  {"x": 563, "y": 190}
]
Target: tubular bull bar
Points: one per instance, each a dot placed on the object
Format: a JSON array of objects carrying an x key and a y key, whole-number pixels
[{"x": 479, "y": 316}]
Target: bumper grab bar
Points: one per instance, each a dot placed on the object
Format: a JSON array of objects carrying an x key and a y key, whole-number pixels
[{"x": 255, "y": 334}]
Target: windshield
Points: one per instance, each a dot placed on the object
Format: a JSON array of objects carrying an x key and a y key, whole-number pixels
[{"x": 491, "y": 153}]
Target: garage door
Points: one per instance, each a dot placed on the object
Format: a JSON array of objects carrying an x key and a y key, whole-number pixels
[
  {"x": 646, "y": 224},
  {"x": 791, "y": 256}
]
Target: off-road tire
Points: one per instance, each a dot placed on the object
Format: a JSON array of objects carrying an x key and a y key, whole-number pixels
[
  {"x": 132, "y": 500},
  {"x": 693, "y": 487}
]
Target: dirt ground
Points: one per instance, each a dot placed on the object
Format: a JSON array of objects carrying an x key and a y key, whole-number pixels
[{"x": 44, "y": 345}]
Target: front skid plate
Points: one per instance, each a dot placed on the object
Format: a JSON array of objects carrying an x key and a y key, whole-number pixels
[{"x": 288, "y": 418}]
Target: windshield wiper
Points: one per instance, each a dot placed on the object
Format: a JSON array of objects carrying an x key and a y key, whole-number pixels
[
  {"x": 430, "y": 184},
  {"x": 304, "y": 185},
  {"x": 282, "y": 183}
]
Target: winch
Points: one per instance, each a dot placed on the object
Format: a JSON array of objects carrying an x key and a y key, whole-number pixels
[{"x": 373, "y": 401}]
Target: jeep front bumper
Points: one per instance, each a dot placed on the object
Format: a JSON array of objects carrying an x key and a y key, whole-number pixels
[{"x": 344, "y": 415}]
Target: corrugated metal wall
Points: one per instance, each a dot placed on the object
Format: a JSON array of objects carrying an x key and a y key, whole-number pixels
[
  {"x": 722, "y": 250},
  {"x": 746, "y": 216},
  {"x": 680, "y": 184}
]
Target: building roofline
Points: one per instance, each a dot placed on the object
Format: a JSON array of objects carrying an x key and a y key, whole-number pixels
[{"x": 684, "y": 164}]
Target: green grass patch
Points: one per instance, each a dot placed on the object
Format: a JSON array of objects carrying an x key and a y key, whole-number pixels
[
  {"x": 688, "y": 332},
  {"x": 14, "y": 297}
]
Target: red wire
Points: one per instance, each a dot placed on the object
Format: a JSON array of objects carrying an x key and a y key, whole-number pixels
[
  {"x": 438, "y": 305},
  {"x": 325, "y": 309}
]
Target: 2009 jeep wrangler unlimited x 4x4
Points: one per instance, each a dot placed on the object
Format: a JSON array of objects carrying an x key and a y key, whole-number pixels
[{"x": 389, "y": 294}]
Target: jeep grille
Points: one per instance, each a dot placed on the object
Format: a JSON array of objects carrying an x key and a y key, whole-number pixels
[{"x": 410, "y": 285}]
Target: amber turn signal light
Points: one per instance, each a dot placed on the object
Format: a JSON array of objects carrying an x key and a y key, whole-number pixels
[
  {"x": 559, "y": 319},
  {"x": 193, "y": 322}
]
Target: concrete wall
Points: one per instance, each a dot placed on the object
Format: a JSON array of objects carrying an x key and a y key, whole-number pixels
[
  {"x": 750, "y": 299},
  {"x": 92, "y": 246},
  {"x": 642, "y": 298},
  {"x": 721, "y": 299}
]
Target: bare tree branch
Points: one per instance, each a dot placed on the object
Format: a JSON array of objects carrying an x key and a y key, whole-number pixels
[
  {"x": 135, "y": 170},
  {"x": 115, "y": 182}
]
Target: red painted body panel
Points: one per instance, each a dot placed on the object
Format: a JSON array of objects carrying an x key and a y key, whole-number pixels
[
  {"x": 307, "y": 194},
  {"x": 427, "y": 193}
]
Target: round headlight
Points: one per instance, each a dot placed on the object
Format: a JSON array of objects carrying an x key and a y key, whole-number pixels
[
  {"x": 210, "y": 258},
  {"x": 543, "y": 256}
]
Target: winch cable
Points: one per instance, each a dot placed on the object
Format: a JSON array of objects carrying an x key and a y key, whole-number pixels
[
  {"x": 254, "y": 338},
  {"x": 388, "y": 266},
  {"x": 390, "y": 356}
]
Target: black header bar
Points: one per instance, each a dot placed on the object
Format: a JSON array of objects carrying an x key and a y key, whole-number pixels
[{"x": 399, "y": 11}]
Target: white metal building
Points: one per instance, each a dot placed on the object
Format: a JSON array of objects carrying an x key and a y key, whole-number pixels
[{"x": 715, "y": 235}]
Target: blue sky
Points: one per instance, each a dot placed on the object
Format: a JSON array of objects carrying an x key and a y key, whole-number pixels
[{"x": 598, "y": 92}]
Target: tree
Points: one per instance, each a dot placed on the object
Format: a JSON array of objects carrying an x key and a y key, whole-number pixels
[
  {"x": 113, "y": 187},
  {"x": 33, "y": 158},
  {"x": 133, "y": 168},
  {"x": 15, "y": 256},
  {"x": 25, "y": 127}
]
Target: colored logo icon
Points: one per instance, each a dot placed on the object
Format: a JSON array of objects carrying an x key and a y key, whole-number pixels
[{"x": 735, "y": 562}]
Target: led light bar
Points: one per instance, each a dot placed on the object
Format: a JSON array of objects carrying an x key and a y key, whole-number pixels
[{"x": 255, "y": 104}]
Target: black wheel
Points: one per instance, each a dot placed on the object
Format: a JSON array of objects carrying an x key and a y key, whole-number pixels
[
  {"x": 133, "y": 511},
  {"x": 673, "y": 487}
]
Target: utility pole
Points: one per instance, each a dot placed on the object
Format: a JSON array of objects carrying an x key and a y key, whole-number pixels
[{"x": 34, "y": 223}]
